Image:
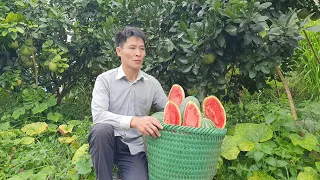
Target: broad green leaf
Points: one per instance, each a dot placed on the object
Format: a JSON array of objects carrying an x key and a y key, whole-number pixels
[
  {"x": 229, "y": 148},
  {"x": 38, "y": 108},
  {"x": 10, "y": 134},
  {"x": 264, "y": 5},
  {"x": 246, "y": 145},
  {"x": 65, "y": 129},
  {"x": 309, "y": 141},
  {"x": 281, "y": 163},
  {"x": 35, "y": 128},
  {"x": 67, "y": 140},
  {"x": 47, "y": 44},
  {"x": 271, "y": 161},
  {"x": 52, "y": 101},
  {"x": 308, "y": 174},
  {"x": 23, "y": 175},
  {"x": 18, "y": 112},
  {"x": 252, "y": 73},
  {"x": 253, "y": 132},
  {"x": 5, "y": 126},
  {"x": 258, "y": 155},
  {"x": 20, "y": 30},
  {"x": 74, "y": 122},
  {"x": 260, "y": 175},
  {"x": 269, "y": 118},
  {"x": 232, "y": 30},
  {"x": 27, "y": 140},
  {"x": 221, "y": 40},
  {"x": 84, "y": 165},
  {"x": 55, "y": 117},
  {"x": 82, "y": 151},
  {"x": 52, "y": 127},
  {"x": 14, "y": 35},
  {"x": 4, "y": 32}
]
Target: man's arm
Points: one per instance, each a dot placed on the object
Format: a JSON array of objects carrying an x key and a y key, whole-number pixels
[
  {"x": 160, "y": 99},
  {"x": 100, "y": 107}
]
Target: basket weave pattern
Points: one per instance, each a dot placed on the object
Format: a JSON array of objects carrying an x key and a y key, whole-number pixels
[{"x": 184, "y": 153}]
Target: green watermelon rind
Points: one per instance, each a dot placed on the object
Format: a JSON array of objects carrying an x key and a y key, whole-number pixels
[
  {"x": 176, "y": 108},
  {"x": 185, "y": 101},
  {"x": 222, "y": 108},
  {"x": 158, "y": 115},
  {"x": 171, "y": 95},
  {"x": 190, "y": 103}
]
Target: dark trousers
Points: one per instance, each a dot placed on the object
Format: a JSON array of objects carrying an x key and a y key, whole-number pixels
[{"x": 107, "y": 150}]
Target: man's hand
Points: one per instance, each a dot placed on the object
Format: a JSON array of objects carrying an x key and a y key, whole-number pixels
[{"x": 147, "y": 125}]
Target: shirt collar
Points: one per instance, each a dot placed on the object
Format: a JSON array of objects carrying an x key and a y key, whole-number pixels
[{"x": 121, "y": 74}]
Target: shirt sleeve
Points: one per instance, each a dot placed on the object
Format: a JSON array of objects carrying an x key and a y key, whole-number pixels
[
  {"x": 160, "y": 99},
  {"x": 100, "y": 107}
]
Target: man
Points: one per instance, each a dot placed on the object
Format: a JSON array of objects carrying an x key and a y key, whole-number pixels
[{"x": 121, "y": 101}]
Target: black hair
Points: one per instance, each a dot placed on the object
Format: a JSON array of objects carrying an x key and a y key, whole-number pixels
[{"x": 123, "y": 35}]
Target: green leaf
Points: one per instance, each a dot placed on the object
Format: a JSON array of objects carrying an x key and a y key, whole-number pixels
[
  {"x": 20, "y": 30},
  {"x": 259, "y": 175},
  {"x": 19, "y": 3},
  {"x": 82, "y": 151},
  {"x": 314, "y": 28},
  {"x": 252, "y": 73},
  {"x": 269, "y": 118},
  {"x": 35, "y": 128},
  {"x": 38, "y": 108},
  {"x": 229, "y": 148},
  {"x": 4, "y": 32},
  {"x": 264, "y": 5},
  {"x": 55, "y": 117},
  {"x": 65, "y": 129},
  {"x": 258, "y": 155},
  {"x": 52, "y": 127},
  {"x": 309, "y": 141},
  {"x": 281, "y": 163},
  {"x": 232, "y": 30},
  {"x": 221, "y": 40},
  {"x": 27, "y": 140},
  {"x": 84, "y": 165},
  {"x": 271, "y": 161},
  {"x": 47, "y": 44},
  {"x": 14, "y": 35},
  {"x": 308, "y": 174},
  {"x": 18, "y": 112}
]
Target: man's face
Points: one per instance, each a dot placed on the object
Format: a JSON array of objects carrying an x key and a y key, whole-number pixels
[{"x": 132, "y": 53}]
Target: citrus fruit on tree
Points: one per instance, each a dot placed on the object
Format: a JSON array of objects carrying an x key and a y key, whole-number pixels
[
  {"x": 25, "y": 51},
  {"x": 209, "y": 58},
  {"x": 26, "y": 62},
  {"x": 53, "y": 66},
  {"x": 14, "y": 45},
  {"x": 19, "y": 82}
]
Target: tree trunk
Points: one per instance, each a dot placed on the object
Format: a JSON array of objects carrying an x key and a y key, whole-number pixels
[{"x": 293, "y": 109}]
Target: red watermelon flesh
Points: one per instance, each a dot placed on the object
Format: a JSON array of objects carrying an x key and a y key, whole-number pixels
[
  {"x": 176, "y": 94},
  {"x": 213, "y": 110},
  {"x": 192, "y": 115},
  {"x": 172, "y": 114}
]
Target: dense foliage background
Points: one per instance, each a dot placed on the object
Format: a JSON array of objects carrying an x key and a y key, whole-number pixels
[{"x": 52, "y": 51}]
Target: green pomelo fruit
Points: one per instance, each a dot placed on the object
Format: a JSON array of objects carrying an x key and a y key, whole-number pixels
[
  {"x": 171, "y": 114},
  {"x": 158, "y": 115},
  {"x": 185, "y": 101},
  {"x": 213, "y": 110},
  {"x": 53, "y": 67},
  {"x": 176, "y": 94},
  {"x": 19, "y": 82},
  {"x": 192, "y": 115},
  {"x": 209, "y": 58},
  {"x": 26, "y": 62},
  {"x": 25, "y": 51},
  {"x": 14, "y": 45}
]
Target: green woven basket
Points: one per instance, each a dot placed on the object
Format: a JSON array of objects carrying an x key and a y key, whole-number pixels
[{"x": 184, "y": 153}]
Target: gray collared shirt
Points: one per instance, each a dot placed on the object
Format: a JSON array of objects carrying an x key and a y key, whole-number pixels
[{"x": 115, "y": 100}]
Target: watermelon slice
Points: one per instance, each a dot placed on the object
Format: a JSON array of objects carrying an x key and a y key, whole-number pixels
[
  {"x": 192, "y": 115},
  {"x": 172, "y": 114},
  {"x": 176, "y": 94},
  {"x": 213, "y": 110}
]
